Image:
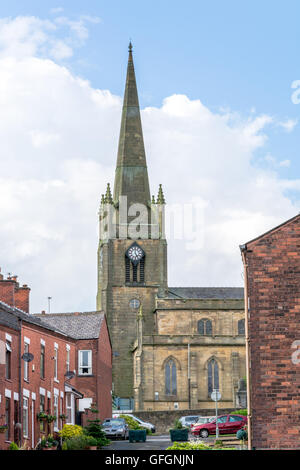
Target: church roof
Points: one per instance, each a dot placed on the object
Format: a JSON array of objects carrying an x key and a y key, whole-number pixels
[
  {"x": 205, "y": 293},
  {"x": 77, "y": 325}
]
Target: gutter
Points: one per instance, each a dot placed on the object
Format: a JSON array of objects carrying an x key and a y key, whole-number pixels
[{"x": 243, "y": 249}]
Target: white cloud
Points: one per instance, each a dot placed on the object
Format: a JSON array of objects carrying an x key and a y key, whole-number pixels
[
  {"x": 59, "y": 139},
  {"x": 288, "y": 125}
]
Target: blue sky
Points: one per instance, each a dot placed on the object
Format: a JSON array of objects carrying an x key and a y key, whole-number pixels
[
  {"x": 233, "y": 54},
  {"x": 221, "y": 131}
]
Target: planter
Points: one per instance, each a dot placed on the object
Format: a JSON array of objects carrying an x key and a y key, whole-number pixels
[
  {"x": 3, "y": 429},
  {"x": 179, "y": 434},
  {"x": 137, "y": 435},
  {"x": 93, "y": 448}
]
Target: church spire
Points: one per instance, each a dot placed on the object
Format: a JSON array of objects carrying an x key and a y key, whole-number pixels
[{"x": 131, "y": 177}]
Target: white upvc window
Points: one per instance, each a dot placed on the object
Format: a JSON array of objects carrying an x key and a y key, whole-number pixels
[
  {"x": 55, "y": 362},
  {"x": 26, "y": 367},
  {"x": 68, "y": 359},
  {"x": 25, "y": 417},
  {"x": 70, "y": 408},
  {"x": 85, "y": 362},
  {"x": 56, "y": 412}
]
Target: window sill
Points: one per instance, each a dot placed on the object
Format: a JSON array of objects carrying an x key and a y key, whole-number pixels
[{"x": 85, "y": 375}]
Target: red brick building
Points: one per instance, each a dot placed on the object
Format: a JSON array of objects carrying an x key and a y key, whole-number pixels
[
  {"x": 272, "y": 303},
  {"x": 69, "y": 368}
]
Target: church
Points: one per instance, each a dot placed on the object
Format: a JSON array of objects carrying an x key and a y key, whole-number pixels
[{"x": 172, "y": 346}]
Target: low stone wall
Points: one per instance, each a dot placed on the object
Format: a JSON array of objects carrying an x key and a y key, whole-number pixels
[{"x": 164, "y": 420}]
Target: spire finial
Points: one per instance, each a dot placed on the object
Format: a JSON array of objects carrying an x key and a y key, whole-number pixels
[
  {"x": 130, "y": 46},
  {"x": 160, "y": 197},
  {"x": 108, "y": 197}
]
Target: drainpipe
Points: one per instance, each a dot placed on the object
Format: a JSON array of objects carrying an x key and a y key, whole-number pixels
[
  {"x": 243, "y": 249},
  {"x": 20, "y": 384},
  {"x": 189, "y": 375}
]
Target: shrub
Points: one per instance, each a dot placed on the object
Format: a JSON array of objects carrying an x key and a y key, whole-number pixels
[
  {"x": 13, "y": 446},
  {"x": 71, "y": 430},
  {"x": 178, "y": 424},
  {"x": 195, "y": 446},
  {"x": 132, "y": 423},
  {"x": 94, "y": 429},
  {"x": 242, "y": 435},
  {"x": 243, "y": 412},
  {"x": 92, "y": 441},
  {"x": 189, "y": 446},
  {"x": 80, "y": 442}
]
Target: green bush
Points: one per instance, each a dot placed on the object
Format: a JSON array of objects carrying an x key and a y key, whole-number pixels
[
  {"x": 195, "y": 446},
  {"x": 178, "y": 424},
  {"x": 243, "y": 412},
  {"x": 94, "y": 429},
  {"x": 188, "y": 446},
  {"x": 71, "y": 430},
  {"x": 13, "y": 446},
  {"x": 76, "y": 443},
  {"x": 132, "y": 423},
  {"x": 92, "y": 441}
]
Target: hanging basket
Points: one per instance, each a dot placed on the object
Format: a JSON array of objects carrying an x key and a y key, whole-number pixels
[{"x": 3, "y": 429}]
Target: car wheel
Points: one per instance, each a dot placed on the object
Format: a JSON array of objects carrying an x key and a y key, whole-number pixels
[{"x": 204, "y": 433}]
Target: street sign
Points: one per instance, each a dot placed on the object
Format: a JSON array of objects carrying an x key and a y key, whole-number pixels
[{"x": 216, "y": 395}]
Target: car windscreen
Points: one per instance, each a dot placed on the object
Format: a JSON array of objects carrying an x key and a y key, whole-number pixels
[
  {"x": 113, "y": 422},
  {"x": 191, "y": 418}
]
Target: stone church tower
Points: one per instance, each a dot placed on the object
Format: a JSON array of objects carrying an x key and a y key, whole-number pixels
[{"x": 132, "y": 253}]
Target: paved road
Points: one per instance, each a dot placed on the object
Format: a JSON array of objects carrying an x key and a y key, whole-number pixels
[
  {"x": 155, "y": 442},
  {"x": 152, "y": 443}
]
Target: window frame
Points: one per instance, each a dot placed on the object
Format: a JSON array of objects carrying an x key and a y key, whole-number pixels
[
  {"x": 25, "y": 417},
  {"x": 8, "y": 351},
  {"x": 90, "y": 362}
]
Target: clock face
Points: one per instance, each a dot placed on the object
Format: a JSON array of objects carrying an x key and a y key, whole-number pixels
[{"x": 135, "y": 253}]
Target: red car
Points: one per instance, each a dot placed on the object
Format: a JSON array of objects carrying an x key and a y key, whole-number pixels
[{"x": 227, "y": 424}]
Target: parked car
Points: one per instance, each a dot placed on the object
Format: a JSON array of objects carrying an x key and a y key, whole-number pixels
[
  {"x": 227, "y": 424},
  {"x": 115, "y": 427},
  {"x": 187, "y": 421},
  {"x": 203, "y": 420},
  {"x": 142, "y": 423}
]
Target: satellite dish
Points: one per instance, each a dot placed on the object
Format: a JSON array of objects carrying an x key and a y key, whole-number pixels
[
  {"x": 27, "y": 357},
  {"x": 69, "y": 375}
]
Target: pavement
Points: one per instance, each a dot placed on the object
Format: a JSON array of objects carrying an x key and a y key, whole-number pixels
[{"x": 160, "y": 442}]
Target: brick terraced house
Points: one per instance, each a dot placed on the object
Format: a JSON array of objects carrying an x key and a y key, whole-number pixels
[
  {"x": 69, "y": 369},
  {"x": 272, "y": 293}
]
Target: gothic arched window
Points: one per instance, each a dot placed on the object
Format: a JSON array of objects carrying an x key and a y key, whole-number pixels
[
  {"x": 170, "y": 377},
  {"x": 205, "y": 327},
  {"x": 212, "y": 375},
  {"x": 135, "y": 264},
  {"x": 241, "y": 327}
]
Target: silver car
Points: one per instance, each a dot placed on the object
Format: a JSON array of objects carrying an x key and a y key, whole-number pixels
[
  {"x": 115, "y": 427},
  {"x": 187, "y": 421}
]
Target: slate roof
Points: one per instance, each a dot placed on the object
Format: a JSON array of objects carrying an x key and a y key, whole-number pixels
[
  {"x": 205, "y": 293},
  {"x": 10, "y": 316},
  {"x": 77, "y": 325}
]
